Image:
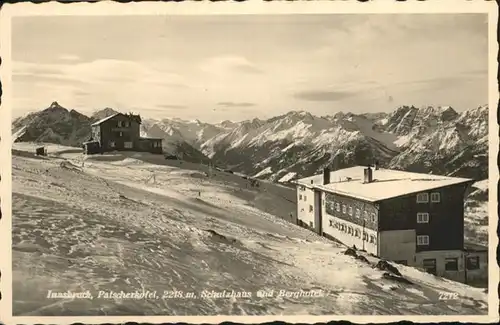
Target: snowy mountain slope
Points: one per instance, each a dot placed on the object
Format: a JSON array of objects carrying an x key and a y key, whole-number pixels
[
  {"x": 53, "y": 124},
  {"x": 455, "y": 145},
  {"x": 18, "y": 133},
  {"x": 193, "y": 132},
  {"x": 476, "y": 214},
  {"x": 284, "y": 143},
  {"x": 174, "y": 142},
  {"x": 426, "y": 139},
  {"x": 124, "y": 224}
]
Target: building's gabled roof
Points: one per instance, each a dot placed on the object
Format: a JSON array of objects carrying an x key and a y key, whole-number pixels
[
  {"x": 386, "y": 184},
  {"x": 105, "y": 119}
]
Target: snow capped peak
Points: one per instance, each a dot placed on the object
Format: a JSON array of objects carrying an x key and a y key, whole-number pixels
[
  {"x": 443, "y": 112},
  {"x": 227, "y": 124},
  {"x": 300, "y": 114},
  {"x": 252, "y": 124},
  {"x": 479, "y": 111}
]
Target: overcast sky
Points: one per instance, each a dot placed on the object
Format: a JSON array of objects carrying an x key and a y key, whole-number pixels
[{"x": 236, "y": 67}]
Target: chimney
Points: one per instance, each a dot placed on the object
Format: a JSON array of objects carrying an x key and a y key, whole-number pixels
[
  {"x": 326, "y": 176},
  {"x": 368, "y": 175},
  {"x": 376, "y": 165}
]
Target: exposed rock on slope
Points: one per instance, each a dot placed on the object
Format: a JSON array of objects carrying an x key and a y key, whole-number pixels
[{"x": 54, "y": 124}]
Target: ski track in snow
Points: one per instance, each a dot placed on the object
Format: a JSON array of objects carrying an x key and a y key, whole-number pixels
[{"x": 130, "y": 225}]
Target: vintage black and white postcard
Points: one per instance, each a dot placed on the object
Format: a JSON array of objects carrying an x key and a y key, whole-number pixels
[{"x": 302, "y": 161}]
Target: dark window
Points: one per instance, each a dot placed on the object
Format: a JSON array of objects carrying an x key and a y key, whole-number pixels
[
  {"x": 300, "y": 196},
  {"x": 429, "y": 262},
  {"x": 451, "y": 264},
  {"x": 310, "y": 208},
  {"x": 311, "y": 224},
  {"x": 472, "y": 262},
  {"x": 331, "y": 223}
]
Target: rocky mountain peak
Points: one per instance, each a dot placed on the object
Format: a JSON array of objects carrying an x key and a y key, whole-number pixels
[
  {"x": 103, "y": 113},
  {"x": 55, "y": 108}
]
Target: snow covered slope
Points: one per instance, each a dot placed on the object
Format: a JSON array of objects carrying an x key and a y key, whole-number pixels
[{"x": 123, "y": 222}]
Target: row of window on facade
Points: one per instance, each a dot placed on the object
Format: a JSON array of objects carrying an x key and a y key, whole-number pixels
[
  {"x": 451, "y": 263},
  {"x": 126, "y": 145},
  {"x": 345, "y": 209},
  {"x": 424, "y": 197},
  {"x": 350, "y": 211},
  {"x": 352, "y": 231}
]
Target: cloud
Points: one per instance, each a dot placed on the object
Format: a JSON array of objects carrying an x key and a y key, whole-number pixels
[
  {"x": 168, "y": 106},
  {"x": 103, "y": 71},
  {"x": 235, "y": 104},
  {"x": 322, "y": 96},
  {"x": 230, "y": 65},
  {"x": 357, "y": 61}
]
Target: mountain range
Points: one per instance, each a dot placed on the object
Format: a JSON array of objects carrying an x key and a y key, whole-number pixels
[{"x": 429, "y": 139}]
